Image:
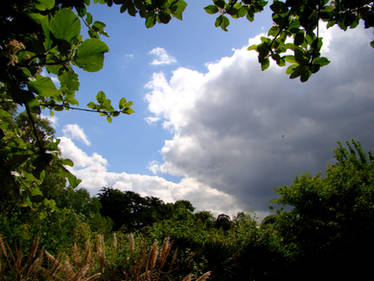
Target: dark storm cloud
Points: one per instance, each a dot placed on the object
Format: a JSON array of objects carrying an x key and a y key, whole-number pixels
[{"x": 250, "y": 131}]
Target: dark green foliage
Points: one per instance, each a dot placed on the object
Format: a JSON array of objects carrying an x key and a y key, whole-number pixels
[
  {"x": 129, "y": 211},
  {"x": 297, "y": 20},
  {"x": 330, "y": 225},
  {"x": 223, "y": 221}
]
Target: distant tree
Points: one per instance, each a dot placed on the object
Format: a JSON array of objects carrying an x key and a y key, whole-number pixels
[
  {"x": 130, "y": 211},
  {"x": 205, "y": 217},
  {"x": 328, "y": 223},
  {"x": 223, "y": 221},
  {"x": 184, "y": 205}
]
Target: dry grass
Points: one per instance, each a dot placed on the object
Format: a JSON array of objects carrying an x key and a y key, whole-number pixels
[
  {"x": 23, "y": 267},
  {"x": 91, "y": 263}
]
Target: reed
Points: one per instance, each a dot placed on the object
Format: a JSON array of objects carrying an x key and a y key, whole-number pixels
[{"x": 154, "y": 264}]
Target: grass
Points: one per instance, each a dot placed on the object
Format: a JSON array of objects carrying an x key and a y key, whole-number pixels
[{"x": 122, "y": 260}]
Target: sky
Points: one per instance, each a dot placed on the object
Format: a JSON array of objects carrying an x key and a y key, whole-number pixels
[{"x": 209, "y": 126}]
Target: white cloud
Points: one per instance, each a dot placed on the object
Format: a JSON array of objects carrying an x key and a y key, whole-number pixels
[
  {"x": 75, "y": 132},
  {"x": 154, "y": 167},
  {"x": 170, "y": 100},
  {"x": 161, "y": 56},
  {"x": 244, "y": 132},
  {"x": 92, "y": 169}
]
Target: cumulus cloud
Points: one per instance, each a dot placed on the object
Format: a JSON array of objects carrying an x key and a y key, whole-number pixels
[
  {"x": 93, "y": 171},
  {"x": 161, "y": 56},
  {"x": 243, "y": 132},
  {"x": 75, "y": 132}
]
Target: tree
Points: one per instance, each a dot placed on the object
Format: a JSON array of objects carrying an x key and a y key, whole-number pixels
[
  {"x": 130, "y": 211},
  {"x": 223, "y": 221},
  {"x": 328, "y": 224},
  {"x": 40, "y": 38},
  {"x": 296, "y": 28}
]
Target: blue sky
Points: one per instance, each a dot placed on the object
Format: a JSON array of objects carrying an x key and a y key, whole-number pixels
[{"x": 209, "y": 126}]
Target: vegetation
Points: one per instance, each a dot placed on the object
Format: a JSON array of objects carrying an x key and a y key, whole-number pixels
[
  {"x": 322, "y": 226},
  {"x": 295, "y": 29}
]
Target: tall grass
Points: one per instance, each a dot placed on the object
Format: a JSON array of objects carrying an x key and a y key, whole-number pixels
[{"x": 124, "y": 259}]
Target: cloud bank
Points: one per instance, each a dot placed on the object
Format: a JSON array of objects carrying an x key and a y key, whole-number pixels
[
  {"x": 73, "y": 131},
  {"x": 93, "y": 171},
  {"x": 243, "y": 132}
]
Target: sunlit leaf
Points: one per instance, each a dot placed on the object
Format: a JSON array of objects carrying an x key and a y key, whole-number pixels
[
  {"x": 43, "y": 86},
  {"x": 90, "y": 55},
  {"x": 65, "y": 25},
  {"x": 43, "y": 5}
]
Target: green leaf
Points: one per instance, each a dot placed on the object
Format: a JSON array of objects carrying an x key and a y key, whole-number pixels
[
  {"x": 291, "y": 68},
  {"x": 219, "y": 3},
  {"x": 218, "y": 21},
  {"x": 123, "y": 8},
  {"x": 273, "y": 31},
  {"x": 122, "y": 103},
  {"x": 321, "y": 61},
  {"x": 73, "y": 180},
  {"x": 128, "y": 111},
  {"x": 296, "y": 72},
  {"x": 250, "y": 15},
  {"x": 43, "y": 5},
  {"x": 164, "y": 17},
  {"x": 90, "y": 55},
  {"x": 150, "y": 21},
  {"x": 181, "y": 6},
  {"x": 43, "y": 86},
  {"x": 279, "y": 7},
  {"x": 299, "y": 38},
  {"x": 242, "y": 12},
  {"x": 69, "y": 81},
  {"x": 372, "y": 44},
  {"x": 99, "y": 26},
  {"x": 65, "y": 25},
  {"x": 265, "y": 64},
  {"x": 89, "y": 18},
  {"x": 211, "y": 9},
  {"x": 92, "y": 105},
  {"x": 26, "y": 202},
  {"x": 107, "y": 105},
  {"x": 290, "y": 59},
  {"x": 299, "y": 56},
  {"x": 109, "y": 119},
  {"x": 36, "y": 191},
  {"x": 53, "y": 68},
  {"x": 225, "y": 23},
  {"x": 93, "y": 34},
  {"x": 115, "y": 113},
  {"x": 252, "y": 47},
  {"x": 26, "y": 71},
  {"x": 100, "y": 97},
  {"x": 67, "y": 162},
  {"x": 305, "y": 76},
  {"x": 290, "y": 46}
]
